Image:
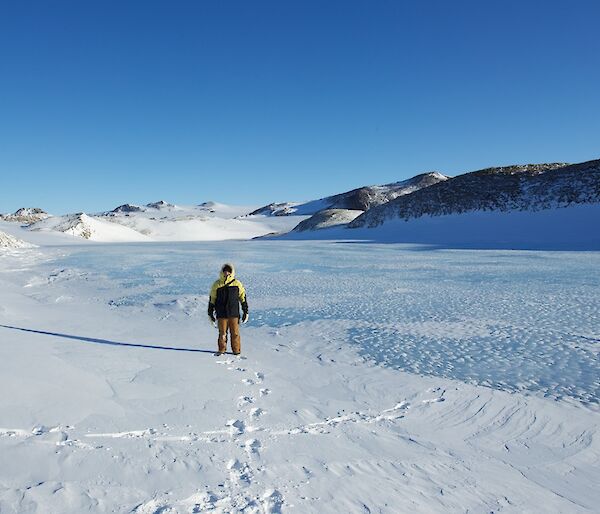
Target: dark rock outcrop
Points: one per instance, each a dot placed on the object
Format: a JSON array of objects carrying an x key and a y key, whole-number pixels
[{"x": 128, "y": 208}]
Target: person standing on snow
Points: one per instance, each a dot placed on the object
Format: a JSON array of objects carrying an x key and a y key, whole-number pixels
[{"x": 226, "y": 295}]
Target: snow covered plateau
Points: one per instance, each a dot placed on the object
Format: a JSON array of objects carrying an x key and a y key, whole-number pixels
[{"x": 374, "y": 378}]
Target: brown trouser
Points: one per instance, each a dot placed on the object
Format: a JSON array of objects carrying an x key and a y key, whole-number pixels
[{"x": 233, "y": 324}]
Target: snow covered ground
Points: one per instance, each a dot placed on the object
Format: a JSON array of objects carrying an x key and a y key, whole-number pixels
[
  {"x": 566, "y": 228},
  {"x": 375, "y": 378}
]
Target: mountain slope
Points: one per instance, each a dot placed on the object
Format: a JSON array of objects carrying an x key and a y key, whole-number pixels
[
  {"x": 327, "y": 218},
  {"x": 25, "y": 215},
  {"x": 529, "y": 188},
  {"x": 345, "y": 207},
  {"x": 88, "y": 227},
  {"x": 362, "y": 198},
  {"x": 209, "y": 221}
]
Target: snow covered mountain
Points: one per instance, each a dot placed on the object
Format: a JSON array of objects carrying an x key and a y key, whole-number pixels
[
  {"x": 504, "y": 205},
  {"x": 162, "y": 205},
  {"x": 25, "y": 215},
  {"x": 345, "y": 207},
  {"x": 88, "y": 227},
  {"x": 156, "y": 221},
  {"x": 531, "y": 187},
  {"x": 340, "y": 209},
  {"x": 209, "y": 221},
  {"x": 362, "y": 198},
  {"x": 365, "y": 198},
  {"x": 277, "y": 209},
  {"x": 162, "y": 210},
  {"x": 125, "y": 208}
]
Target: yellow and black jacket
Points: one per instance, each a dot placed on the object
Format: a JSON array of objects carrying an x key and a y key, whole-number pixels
[{"x": 226, "y": 297}]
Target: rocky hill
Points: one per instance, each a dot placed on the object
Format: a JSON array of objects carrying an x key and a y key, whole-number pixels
[
  {"x": 126, "y": 208},
  {"x": 25, "y": 215},
  {"x": 347, "y": 206},
  {"x": 161, "y": 204},
  {"x": 327, "y": 218},
  {"x": 276, "y": 209},
  {"x": 365, "y": 198},
  {"x": 362, "y": 198},
  {"x": 530, "y": 187}
]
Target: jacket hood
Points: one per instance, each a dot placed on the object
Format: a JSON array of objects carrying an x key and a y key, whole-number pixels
[{"x": 232, "y": 274}]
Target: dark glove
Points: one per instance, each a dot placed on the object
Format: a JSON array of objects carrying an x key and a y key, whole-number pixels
[
  {"x": 211, "y": 312},
  {"x": 245, "y": 312}
]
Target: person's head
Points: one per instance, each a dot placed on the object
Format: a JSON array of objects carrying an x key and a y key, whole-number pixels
[{"x": 227, "y": 270}]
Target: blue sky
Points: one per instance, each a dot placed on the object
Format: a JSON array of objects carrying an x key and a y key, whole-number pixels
[{"x": 249, "y": 102}]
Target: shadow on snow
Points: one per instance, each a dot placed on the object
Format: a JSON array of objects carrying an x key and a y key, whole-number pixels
[{"x": 111, "y": 343}]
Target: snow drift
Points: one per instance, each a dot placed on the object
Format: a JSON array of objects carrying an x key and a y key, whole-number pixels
[{"x": 8, "y": 241}]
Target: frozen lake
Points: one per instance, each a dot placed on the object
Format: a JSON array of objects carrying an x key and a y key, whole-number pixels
[
  {"x": 117, "y": 402},
  {"x": 510, "y": 320}
]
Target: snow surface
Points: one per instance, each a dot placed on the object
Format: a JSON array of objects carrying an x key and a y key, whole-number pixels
[
  {"x": 205, "y": 226},
  {"x": 375, "y": 378}
]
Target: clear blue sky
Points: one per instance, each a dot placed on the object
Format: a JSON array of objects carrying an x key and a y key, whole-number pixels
[{"x": 249, "y": 102}]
